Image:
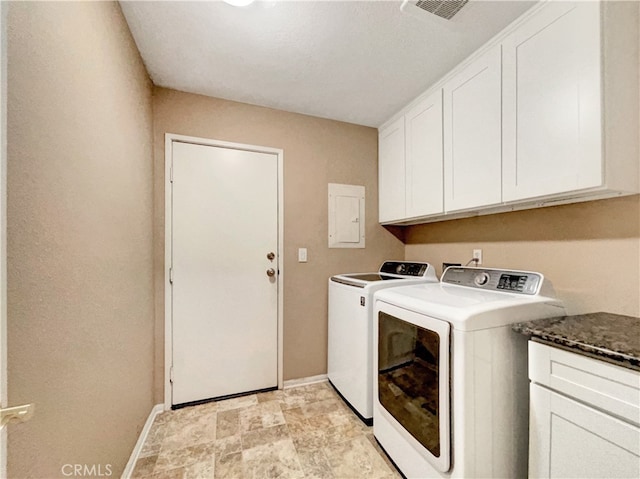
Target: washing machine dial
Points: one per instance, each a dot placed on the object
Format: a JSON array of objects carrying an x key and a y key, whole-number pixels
[
  {"x": 481, "y": 279},
  {"x": 401, "y": 269}
]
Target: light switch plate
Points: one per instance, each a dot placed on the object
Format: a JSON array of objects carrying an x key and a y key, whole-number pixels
[{"x": 302, "y": 255}]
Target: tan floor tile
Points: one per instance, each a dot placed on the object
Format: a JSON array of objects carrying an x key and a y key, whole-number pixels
[
  {"x": 150, "y": 449},
  {"x": 331, "y": 419},
  {"x": 307, "y": 431},
  {"x": 299, "y": 428},
  {"x": 340, "y": 417},
  {"x": 237, "y": 403},
  {"x": 228, "y": 423},
  {"x": 317, "y": 388},
  {"x": 272, "y": 419},
  {"x": 177, "y": 473},
  {"x": 320, "y": 421},
  {"x": 371, "y": 438},
  {"x": 208, "y": 407},
  {"x": 319, "y": 392},
  {"x": 309, "y": 440},
  {"x": 277, "y": 395},
  {"x": 315, "y": 465},
  {"x": 155, "y": 437},
  {"x": 262, "y": 415},
  {"x": 200, "y": 429},
  {"x": 162, "y": 418},
  {"x": 228, "y": 445},
  {"x": 356, "y": 458},
  {"x": 174, "y": 458},
  {"x": 264, "y": 436},
  {"x": 271, "y": 414},
  {"x": 200, "y": 470},
  {"x": 274, "y": 460},
  {"x": 291, "y": 400},
  {"x": 321, "y": 407},
  {"x": 144, "y": 467},
  {"x": 250, "y": 419},
  {"x": 294, "y": 415},
  {"x": 184, "y": 415},
  {"x": 341, "y": 433},
  {"x": 229, "y": 466},
  {"x": 305, "y": 395}
]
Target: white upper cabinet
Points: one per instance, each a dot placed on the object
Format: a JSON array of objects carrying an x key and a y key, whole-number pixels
[
  {"x": 472, "y": 135},
  {"x": 546, "y": 113},
  {"x": 423, "y": 173},
  {"x": 391, "y": 172},
  {"x": 552, "y": 102}
]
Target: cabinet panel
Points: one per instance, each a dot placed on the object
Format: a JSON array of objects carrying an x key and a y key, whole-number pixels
[
  {"x": 423, "y": 125},
  {"x": 571, "y": 440},
  {"x": 391, "y": 172},
  {"x": 552, "y": 102},
  {"x": 594, "y": 382},
  {"x": 472, "y": 134}
]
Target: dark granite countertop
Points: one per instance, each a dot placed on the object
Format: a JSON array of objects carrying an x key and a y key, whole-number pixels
[{"x": 611, "y": 337}]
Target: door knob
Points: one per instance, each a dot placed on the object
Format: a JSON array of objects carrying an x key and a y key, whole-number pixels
[
  {"x": 271, "y": 272},
  {"x": 271, "y": 255}
]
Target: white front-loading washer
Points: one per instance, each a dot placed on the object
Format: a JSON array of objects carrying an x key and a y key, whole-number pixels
[
  {"x": 450, "y": 387},
  {"x": 350, "y": 328}
]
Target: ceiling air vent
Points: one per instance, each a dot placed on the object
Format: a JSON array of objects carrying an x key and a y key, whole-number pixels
[{"x": 443, "y": 8}]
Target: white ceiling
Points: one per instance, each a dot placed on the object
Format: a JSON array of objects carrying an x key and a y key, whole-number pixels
[{"x": 358, "y": 62}]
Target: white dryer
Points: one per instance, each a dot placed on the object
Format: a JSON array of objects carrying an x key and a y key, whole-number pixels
[
  {"x": 450, "y": 388},
  {"x": 350, "y": 334}
]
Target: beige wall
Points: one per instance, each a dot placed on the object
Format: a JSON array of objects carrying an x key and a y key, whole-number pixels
[
  {"x": 590, "y": 251},
  {"x": 316, "y": 152},
  {"x": 80, "y": 307}
]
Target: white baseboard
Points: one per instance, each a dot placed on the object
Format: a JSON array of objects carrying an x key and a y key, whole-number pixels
[
  {"x": 128, "y": 470},
  {"x": 292, "y": 383}
]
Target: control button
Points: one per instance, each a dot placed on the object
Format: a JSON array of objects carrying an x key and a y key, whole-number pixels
[
  {"x": 481, "y": 279},
  {"x": 401, "y": 268}
]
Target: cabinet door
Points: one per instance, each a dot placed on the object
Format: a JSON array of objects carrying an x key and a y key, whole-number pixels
[
  {"x": 568, "y": 439},
  {"x": 552, "y": 113},
  {"x": 472, "y": 133},
  {"x": 424, "y": 178},
  {"x": 391, "y": 172}
]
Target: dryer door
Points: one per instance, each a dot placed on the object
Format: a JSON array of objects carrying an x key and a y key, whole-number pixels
[{"x": 413, "y": 379}]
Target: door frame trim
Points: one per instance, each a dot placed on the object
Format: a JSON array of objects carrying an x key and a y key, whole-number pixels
[
  {"x": 170, "y": 138},
  {"x": 4, "y": 396}
]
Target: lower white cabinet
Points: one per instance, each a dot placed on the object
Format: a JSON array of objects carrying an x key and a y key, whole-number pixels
[{"x": 584, "y": 419}]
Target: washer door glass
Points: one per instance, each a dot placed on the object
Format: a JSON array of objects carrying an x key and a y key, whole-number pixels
[{"x": 409, "y": 378}]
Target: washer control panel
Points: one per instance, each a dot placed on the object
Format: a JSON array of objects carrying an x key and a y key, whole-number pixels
[
  {"x": 404, "y": 268},
  {"x": 522, "y": 282}
]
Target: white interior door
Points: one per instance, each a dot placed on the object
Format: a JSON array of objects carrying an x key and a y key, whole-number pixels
[{"x": 225, "y": 304}]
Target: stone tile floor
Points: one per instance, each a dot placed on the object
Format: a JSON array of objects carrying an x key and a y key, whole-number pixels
[{"x": 302, "y": 432}]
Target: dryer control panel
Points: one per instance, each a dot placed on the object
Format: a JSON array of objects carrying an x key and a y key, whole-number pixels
[{"x": 508, "y": 281}]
